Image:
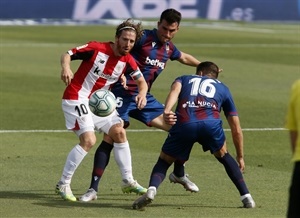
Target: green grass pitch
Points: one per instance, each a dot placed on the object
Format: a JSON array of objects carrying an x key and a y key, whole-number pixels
[{"x": 259, "y": 62}]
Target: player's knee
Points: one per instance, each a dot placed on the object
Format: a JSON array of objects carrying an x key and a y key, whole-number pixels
[
  {"x": 118, "y": 134},
  {"x": 108, "y": 139},
  {"x": 222, "y": 152},
  {"x": 167, "y": 158},
  {"x": 87, "y": 142}
]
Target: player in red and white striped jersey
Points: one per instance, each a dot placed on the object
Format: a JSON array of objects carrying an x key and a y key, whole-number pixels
[{"x": 103, "y": 64}]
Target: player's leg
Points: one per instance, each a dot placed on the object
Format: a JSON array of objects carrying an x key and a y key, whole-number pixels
[
  {"x": 294, "y": 190},
  {"x": 234, "y": 173},
  {"x": 102, "y": 155},
  {"x": 175, "y": 147},
  {"x": 152, "y": 115},
  {"x": 74, "y": 158},
  {"x": 159, "y": 123},
  {"x": 158, "y": 175},
  {"x": 114, "y": 128},
  {"x": 101, "y": 160},
  {"x": 87, "y": 139},
  {"x": 178, "y": 175},
  {"x": 122, "y": 156}
]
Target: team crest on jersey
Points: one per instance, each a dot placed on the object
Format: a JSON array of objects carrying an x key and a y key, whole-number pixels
[{"x": 167, "y": 47}]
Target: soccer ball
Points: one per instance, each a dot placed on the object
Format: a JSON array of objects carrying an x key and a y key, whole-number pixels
[{"x": 102, "y": 102}]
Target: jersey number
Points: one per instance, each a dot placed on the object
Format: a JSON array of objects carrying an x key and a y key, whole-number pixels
[
  {"x": 205, "y": 88},
  {"x": 81, "y": 109},
  {"x": 119, "y": 102}
]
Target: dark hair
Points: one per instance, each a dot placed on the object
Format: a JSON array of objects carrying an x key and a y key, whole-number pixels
[
  {"x": 171, "y": 16},
  {"x": 130, "y": 25},
  {"x": 208, "y": 68}
]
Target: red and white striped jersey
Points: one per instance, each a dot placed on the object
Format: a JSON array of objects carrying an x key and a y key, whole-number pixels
[{"x": 99, "y": 69}]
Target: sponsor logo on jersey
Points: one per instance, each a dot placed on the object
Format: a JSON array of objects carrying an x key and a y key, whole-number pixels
[
  {"x": 155, "y": 62},
  {"x": 199, "y": 104},
  {"x": 103, "y": 75},
  {"x": 107, "y": 77}
]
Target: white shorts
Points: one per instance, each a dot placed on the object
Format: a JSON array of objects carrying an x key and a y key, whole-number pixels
[{"x": 80, "y": 119}]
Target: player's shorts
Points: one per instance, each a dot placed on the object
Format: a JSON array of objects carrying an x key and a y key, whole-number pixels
[
  {"x": 80, "y": 119},
  {"x": 181, "y": 138},
  {"x": 127, "y": 108}
]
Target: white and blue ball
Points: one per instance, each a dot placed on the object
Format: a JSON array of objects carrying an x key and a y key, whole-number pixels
[{"x": 102, "y": 102}]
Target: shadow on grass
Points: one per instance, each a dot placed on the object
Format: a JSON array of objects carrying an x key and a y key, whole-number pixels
[{"x": 54, "y": 200}]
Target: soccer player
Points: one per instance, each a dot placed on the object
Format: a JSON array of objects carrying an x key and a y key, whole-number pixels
[
  {"x": 200, "y": 99},
  {"x": 103, "y": 63},
  {"x": 293, "y": 125},
  {"x": 151, "y": 53}
]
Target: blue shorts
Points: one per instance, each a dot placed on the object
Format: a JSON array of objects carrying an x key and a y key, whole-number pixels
[
  {"x": 128, "y": 109},
  {"x": 181, "y": 138}
]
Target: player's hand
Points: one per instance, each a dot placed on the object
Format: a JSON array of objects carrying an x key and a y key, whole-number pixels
[
  {"x": 66, "y": 76},
  {"x": 170, "y": 117},
  {"x": 140, "y": 101},
  {"x": 123, "y": 81},
  {"x": 241, "y": 163}
]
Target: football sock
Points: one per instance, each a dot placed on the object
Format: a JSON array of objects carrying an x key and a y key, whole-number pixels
[
  {"x": 123, "y": 158},
  {"x": 101, "y": 160},
  {"x": 233, "y": 171},
  {"x": 74, "y": 158},
  {"x": 178, "y": 169},
  {"x": 159, "y": 173}
]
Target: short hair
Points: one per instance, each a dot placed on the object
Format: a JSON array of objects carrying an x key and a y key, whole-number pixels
[
  {"x": 171, "y": 16},
  {"x": 130, "y": 25},
  {"x": 208, "y": 68}
]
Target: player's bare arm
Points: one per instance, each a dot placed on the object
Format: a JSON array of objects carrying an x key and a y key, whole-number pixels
[
  {"x": 188, "y": 59},
  {"x": 237, "y": 137},
  {"x": 123, "y": 81},
  {"x": 66, "y": 72},
  {"x": 141, "y": 99},
  {"x": 169, "y": 116}
]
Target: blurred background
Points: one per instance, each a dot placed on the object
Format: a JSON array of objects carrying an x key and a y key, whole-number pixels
[{"x": 95, "y": 10}]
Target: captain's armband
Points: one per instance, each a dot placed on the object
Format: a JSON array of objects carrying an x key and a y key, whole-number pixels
[{"x": 136, "y": 74}]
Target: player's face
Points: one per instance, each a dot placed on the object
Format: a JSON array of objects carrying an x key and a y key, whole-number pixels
[
  {"x": 125, "y": 42},
  {"x": 166, "y": 31}
]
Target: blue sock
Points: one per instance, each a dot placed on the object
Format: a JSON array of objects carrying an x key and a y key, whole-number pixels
[
  {"x": 233, "y": 171},
  {"x": 101, "y": 160},
  {"x": 159, "y": 172},
  {"x": 178, "y": 168}
]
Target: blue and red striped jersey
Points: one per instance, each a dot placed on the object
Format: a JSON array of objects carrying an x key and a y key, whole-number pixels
[
  {"x": 203, "y": 98},
  {"x": 151, "y": 56}
]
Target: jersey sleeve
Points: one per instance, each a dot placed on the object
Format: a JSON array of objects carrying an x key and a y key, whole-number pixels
[
  {"x": 178, "y": 79},
  {"x": 228, "y": 105},
  {"x": 176, "y": 54},
  {"x": 83, "y": 52}
]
